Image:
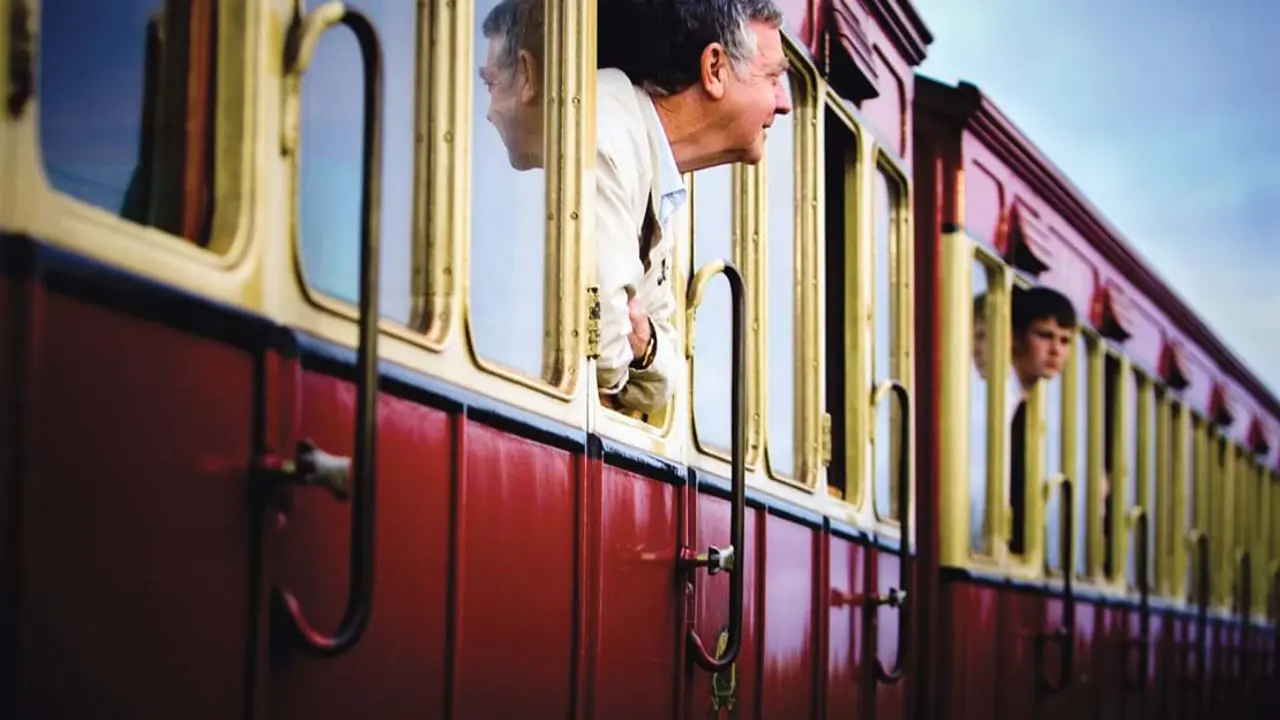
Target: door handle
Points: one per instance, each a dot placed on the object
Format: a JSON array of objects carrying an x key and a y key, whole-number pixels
[{"x": 1065, "y": 634}]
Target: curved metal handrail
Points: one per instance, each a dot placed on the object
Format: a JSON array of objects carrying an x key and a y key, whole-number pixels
[
  {"x": 725, "y": 559},
  {"x": 1064, "y": 634},
  {"x": 300, "y": 48},
  {"x": 898, "y": 597}
]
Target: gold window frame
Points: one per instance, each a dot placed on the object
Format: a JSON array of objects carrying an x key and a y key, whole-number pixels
[
  {"x": 442, "y": 209},
  {"x": 901, "y": 323},
  {"x": 806, "y": 388},
  {"x": 33, "y": 202}
]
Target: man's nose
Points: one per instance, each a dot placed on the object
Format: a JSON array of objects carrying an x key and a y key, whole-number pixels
[{"x": 781, "y": 100}]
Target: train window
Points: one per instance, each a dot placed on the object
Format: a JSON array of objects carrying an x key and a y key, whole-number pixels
[
  {"x": 713, "y": 235},
  {"x": 984, "y": 337},
  {"x": 330, "y": 158},
  {"x": 1170, "y": 501},
  {"x": 127, "y": 108},
  {"x": 510, "y": 276},
  {"x": 1133, "y": 475},
  {"x": 782, "y": 289},
  {"x": 1082, "y": 363},
  {"x": 1112, "y": 472},
  {"x": 886, "y": 313},
  {"x": 1194, "y": 481},
  {"x": 840, "y": 248},
  {"x": 1219, "y": 486},
  {"x": 1054, "y": 464}
]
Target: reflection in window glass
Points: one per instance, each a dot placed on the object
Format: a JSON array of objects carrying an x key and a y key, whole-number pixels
[
  {"x": 1080, "y": 487},
  {"x": 781, "y": 326},
  {"x": 508, "y": 205},
  {"x": 713, "y": 332},
  {"x": 888, "y": 414},
  {"x": 330, "y": 159},
  {"x": 978, "y": 402},
  {"x": 126, "y": 108},
  {"x": 1053, "y": 466}
]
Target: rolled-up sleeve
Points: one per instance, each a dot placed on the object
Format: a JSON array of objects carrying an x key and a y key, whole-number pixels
[
  {"x": 618, "y": 268},
  {"x": 651, "y": 388}
]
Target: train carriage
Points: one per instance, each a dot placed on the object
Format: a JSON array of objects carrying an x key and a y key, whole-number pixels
[{"x": 298, "y": 409}]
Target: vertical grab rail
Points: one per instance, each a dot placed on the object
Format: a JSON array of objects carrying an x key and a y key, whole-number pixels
[
  {"x": 1065, "y": 634},
  {"x": 1140, "y": 523},
  {"x": 899, "y": 596},
  {"x": 725, "y": 559},
  {"x": 312, "y": 466}
]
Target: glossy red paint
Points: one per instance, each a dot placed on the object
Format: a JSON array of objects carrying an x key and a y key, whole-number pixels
[
  {"x": 846, "y": 676},
  {"x": 788, "y": 564},
  {"x": 398, "y": 669},
  {"x": 133, "y": 590},
  {"x": 637, "y": 641}
]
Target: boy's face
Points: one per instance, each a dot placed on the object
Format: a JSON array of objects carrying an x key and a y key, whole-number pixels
[{"x": 1042, "y": 351}]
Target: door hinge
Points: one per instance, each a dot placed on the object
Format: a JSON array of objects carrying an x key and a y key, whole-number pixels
[
  {"x": 593, "y": 322},
  {"x": 824, "y": 440},
  {"x": 22, "y": 43}
]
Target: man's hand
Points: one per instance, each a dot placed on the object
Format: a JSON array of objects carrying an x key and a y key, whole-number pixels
[{"x": 640, "y": 330}]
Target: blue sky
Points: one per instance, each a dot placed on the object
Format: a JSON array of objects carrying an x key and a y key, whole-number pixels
[{"x": 1166, "y": 114}]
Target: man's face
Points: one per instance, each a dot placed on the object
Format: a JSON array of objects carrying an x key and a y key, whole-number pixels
[
  {"x": 752, "y": 100},
  {"x": 515, "y": 106},
  {"x": 1042, "y": 351}
]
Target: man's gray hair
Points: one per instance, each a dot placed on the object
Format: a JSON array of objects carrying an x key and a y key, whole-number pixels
[{"x": 659, "y": 43}]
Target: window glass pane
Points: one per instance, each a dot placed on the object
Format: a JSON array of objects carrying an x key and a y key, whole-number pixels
[
  {"x": 331, "y": 158},
  {"x": 1083, "y": 423},
  {"x": 713, "y": 333},
  {"x": 1195, "y": 454},
  {"x": 1131, "y": 490},
  {"x": 888, "y": 414},
  {"x": 1110, "y": 478},
  {"x": 1151, "y": 479},
  {"x": 781, "y": 326},
  {"x": 1053, "y": 408},
  {"x": 126, "y": 108},
  {"x": 978, "y": 408},
  {"x": 508, "y": 203}
]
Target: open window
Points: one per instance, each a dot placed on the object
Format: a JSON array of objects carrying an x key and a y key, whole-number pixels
[{"x": 840, "y": 248}]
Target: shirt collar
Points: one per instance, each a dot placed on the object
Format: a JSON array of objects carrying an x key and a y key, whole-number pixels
[{"x": 670, "y": 185}]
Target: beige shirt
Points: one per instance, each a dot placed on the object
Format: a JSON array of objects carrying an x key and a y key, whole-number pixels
[{"x": 634, "y": 174}]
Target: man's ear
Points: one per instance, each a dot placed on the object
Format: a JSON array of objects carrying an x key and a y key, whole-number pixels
[
  {"x": 715, "y": 70},
  {"x": 528, "y": 78}
]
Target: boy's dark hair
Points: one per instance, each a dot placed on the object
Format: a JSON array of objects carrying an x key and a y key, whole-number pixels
[{"x": 1039, "y": 303}]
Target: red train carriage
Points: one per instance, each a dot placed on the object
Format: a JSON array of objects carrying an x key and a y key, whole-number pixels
[
  {"x": 1153, "y": 475},
  {"x": 297, "y": 415}
]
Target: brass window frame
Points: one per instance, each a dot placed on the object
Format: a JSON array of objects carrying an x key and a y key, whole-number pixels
[
  {"x": 806, "y": 383},
  {"x": 901, "y": 321},
  {"x": 442, "y": 208},
  {"x": 34, "y": 202},
  {"x": 742, "y": 191}
]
